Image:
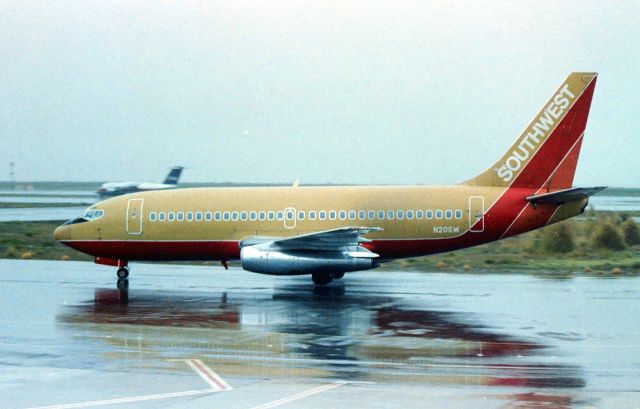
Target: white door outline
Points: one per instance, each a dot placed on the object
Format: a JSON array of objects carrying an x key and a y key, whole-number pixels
[
  {"x": 290, "y": 218},
  {"x": 133, "y": 221},
  {"x": 476, "y": 214}
]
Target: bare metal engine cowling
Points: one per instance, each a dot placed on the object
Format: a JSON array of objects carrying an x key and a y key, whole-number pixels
[{"x": 294, "y": 262}]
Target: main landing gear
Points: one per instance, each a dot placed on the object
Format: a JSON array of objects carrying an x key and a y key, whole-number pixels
[{"x": 325, "y": 278}]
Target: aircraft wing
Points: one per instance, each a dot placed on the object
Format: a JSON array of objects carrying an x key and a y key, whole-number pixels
[
  {"x": 342, "y": 239},
  {"x": 565, "y": 196}
]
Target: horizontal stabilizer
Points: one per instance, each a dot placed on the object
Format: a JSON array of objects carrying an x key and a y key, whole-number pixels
[{"x": 565, "y": 196}]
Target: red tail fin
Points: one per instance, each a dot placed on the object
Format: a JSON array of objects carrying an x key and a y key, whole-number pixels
[{"x": 546, "y": 154}]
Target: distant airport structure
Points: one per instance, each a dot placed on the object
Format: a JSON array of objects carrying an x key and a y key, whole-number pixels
[{"x": 111, "y": 189}]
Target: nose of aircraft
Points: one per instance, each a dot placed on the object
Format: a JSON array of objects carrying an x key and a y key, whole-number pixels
[{"x": 62, "y": 233}]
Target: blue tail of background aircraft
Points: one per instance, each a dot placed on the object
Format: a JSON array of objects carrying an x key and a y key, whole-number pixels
[{"x": 173, "y": 176}]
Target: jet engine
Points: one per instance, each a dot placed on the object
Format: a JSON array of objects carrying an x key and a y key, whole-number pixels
[{"x": 294, "y": 262}]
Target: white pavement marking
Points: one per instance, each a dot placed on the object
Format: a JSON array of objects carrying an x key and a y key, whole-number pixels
[
  {"x": 217, "y": 383},
  {"x": 300, "y": 395},
  {"x": 127, "y": 400}
]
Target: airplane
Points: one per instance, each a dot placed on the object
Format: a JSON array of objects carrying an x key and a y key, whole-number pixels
[
  {"x": 110, "y": 189},
  {"x": 330, "y": 230}
]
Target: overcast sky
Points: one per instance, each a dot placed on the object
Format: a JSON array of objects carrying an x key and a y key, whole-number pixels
[{"x": 325, "y": 91}]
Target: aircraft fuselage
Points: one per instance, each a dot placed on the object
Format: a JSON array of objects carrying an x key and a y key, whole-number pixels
[{"x": 209, "y": 223}]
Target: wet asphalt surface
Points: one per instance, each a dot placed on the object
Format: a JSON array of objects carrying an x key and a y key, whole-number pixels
[{"x": 69, "y": 337}]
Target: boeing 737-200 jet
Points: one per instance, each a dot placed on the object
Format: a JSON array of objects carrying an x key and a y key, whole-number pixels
[{"x": 327, "y": 231}]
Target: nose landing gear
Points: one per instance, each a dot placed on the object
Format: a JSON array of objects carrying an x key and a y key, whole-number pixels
[
  {"x": 123, "y": 272},
  {"x": 123, "y": 282}
]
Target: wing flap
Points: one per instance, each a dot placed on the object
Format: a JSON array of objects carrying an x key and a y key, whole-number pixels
[
  {"x": 336, "y": 239},
  {"x": 345, "y": 239}
]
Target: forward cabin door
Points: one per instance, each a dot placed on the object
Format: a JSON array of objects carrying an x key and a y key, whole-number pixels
[
  {"x": 134, "y": 216},
  {"x": 476, "y": 214}
]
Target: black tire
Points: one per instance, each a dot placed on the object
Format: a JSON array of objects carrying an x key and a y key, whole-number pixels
[
  {"x": 338, "y": 276},
  {"x": 321, "y": 278},
  {"x": 123, "y": 272}
]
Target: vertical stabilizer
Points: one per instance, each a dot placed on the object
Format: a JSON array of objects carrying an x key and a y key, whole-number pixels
[
  {"x": 546, "y": 153},
  {"x": 173, "y": 176}
]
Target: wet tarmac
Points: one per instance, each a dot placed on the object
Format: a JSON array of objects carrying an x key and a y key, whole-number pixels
[
  {"x": 31, "y": 214},
  {"x": 199, "y": 336},
  {"x": 48, "y": 199},
  {"x": 615, "y": 203}
]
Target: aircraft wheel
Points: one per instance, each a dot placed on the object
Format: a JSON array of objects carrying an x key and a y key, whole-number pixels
[
  {"x": 338, "y": 276},
  {"x": 123, "y": 272},
  {"x": 321, "y": 278}
]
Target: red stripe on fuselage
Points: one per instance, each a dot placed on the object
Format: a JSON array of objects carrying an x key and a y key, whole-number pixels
[{"x": 158, "y": 250}]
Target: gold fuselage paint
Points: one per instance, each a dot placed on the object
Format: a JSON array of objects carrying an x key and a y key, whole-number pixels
[{"x": 444, "y": 211}]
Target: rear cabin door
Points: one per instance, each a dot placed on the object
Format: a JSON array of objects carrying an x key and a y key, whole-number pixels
[
  {"x": 134, "y": 216},
  {"x": 476, "y": 214}
]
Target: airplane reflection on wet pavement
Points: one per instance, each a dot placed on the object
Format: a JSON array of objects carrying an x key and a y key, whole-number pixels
[
  {"x": 454, "y": 340},
  {"x": 328, "y": 330}
]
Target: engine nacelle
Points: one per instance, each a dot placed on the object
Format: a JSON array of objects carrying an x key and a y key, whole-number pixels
[{"x": 295, "y": 262}]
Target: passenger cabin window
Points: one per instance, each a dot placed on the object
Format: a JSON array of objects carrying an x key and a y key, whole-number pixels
[
  {"x": 458, "y": 214},
  {"x": 362, "y": 215},
  {"x": 208, "y": 216},
  {"x": 243, "y": 216},
  {"x": 371, "y": 214},
  {"x": 272, "y": 215},
  {"x": 280, "y": 215},
  {"x": 217, "y": 216},
  {"x": 162, "y": 216},
  {"x": 438, "y": 214},
  {"x": 352, "y": 214},
  {"x": 234, "y": 216},
  {"x": 262, "y": 215},
  {"x": 419, "y": 214},
  {"x": 199, "y": 216},
  {"x": 253, "y": 215},
  {"x": 342, "y": 214},
  {"x": 152, "y": 216},
  {"x": 400, "y": 214},
  {"x": 429, "y": 214},
  {"x": 189, "y": 216},
  {"x": 390, "y": 214},
  {"x": 448, "y": 213},
  {"x": 301, "y": 215},
  {"x": 227, "y": 216},
  {"x": 332, "y": 214},
  {"x": 380, "y": 214},
  {"x": 322, "y": 215},
  {"x": 180, "y": 216},
  {"x": 171, "y": 216},
  {"x": 312, "y": 214},
  {"x": 409, "y": 214},
  {"x": 290, "y": 214}
]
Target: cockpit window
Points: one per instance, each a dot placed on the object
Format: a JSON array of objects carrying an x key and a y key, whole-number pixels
[
  {"x": 93, "y": 214},
  {"x": 89, "y": 215}
]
